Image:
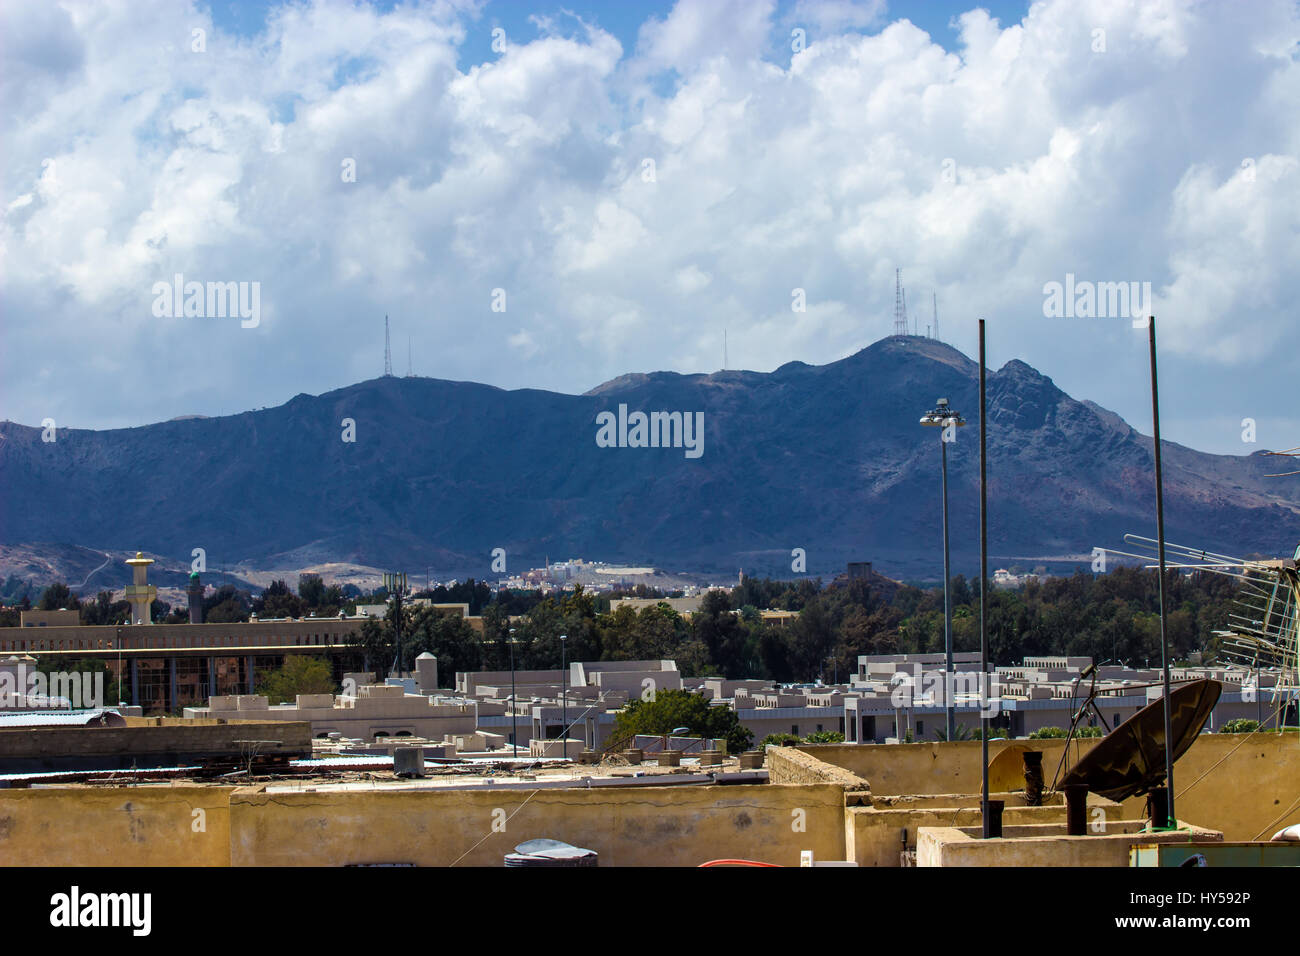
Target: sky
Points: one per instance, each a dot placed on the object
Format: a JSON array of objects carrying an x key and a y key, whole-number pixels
[{"x": 551, "y": 195}]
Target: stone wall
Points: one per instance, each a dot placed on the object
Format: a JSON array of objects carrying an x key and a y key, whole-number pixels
[{"x": 788, "y": 765}]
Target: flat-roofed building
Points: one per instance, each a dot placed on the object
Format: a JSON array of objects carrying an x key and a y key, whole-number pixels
[
  {"x": 374, "y": 712},
  {"x": 166, "y": 667},
  {"x": 60, "y": 618}
]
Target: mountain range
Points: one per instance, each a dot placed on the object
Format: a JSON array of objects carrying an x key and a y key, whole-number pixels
[{"x": 829, "y": 459}]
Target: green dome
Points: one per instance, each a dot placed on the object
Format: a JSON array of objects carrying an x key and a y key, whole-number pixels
[{"x": 194, "y": 575}]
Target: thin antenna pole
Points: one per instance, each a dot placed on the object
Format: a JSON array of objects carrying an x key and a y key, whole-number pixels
[
  {"x": 947, "y": 605},
  {"x": 900, "y": 307},
  {"x": 724, "y": 350},
  {"x": 388, "y": 352},
  {"x": 1160, "y": 539},
  {"x": 408, "y": 356},
  {"x": 984, "y": 586}
]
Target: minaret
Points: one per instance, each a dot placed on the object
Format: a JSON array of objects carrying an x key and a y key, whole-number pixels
[{"x": 141, "y": 593}]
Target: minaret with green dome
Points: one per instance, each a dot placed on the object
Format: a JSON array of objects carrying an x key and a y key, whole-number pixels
[{"x": 195, "y": 592}]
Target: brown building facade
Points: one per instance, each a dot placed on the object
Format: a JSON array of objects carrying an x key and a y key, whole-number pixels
[{"x": 166, "y": 667}]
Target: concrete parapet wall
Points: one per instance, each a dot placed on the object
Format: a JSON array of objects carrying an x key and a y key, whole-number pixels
[
  {"x": 877, "y": 835},
  {"x": 1044, "y": 845},
  {"x": 136, "y": 826},
  {"x": 1237, "y": 784},
  {"x": 789, "y": 765},
  {"x": 54, "y": 747},
  {"x": 645, "y": 826}
]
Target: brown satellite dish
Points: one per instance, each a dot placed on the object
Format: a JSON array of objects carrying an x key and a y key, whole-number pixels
[{"x": 1131, "y": 759}]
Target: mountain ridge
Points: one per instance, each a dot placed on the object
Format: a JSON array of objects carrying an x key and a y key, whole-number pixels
[{"x": 828, "y": 458}]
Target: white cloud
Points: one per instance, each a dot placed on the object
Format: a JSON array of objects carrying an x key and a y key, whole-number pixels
[
  {"x": 523, "y": 343},
  {"x": 691, "y": 279},
  {"x": 984, "y": 173}
]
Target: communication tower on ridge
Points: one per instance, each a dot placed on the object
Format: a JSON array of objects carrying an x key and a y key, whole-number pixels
[
  {"x": 388, "y": 352},
  {"x": 900, "y": 308}
]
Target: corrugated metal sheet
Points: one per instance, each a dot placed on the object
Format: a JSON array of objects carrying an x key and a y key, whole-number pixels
[
  {"x": 342, "y": 763},
  {"x": 56, "y": 718},
  {"x": 72, "y": 775}
]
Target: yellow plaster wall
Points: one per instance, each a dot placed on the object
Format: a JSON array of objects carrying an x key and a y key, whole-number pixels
[
  {"x": 1254, "y": 781},
  {"x": 135, "y": 826},
  {"x": 643, "y": 826},
  {"x": 953, "y": 847}
]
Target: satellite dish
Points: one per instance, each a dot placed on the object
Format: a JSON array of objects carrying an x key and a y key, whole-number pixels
[{"x": 1131, "y": 759}]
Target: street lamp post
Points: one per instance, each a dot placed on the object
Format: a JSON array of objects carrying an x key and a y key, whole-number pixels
[
  {"x": 948, "y": 419},
  {"x": 514, "y": 719},
  {"x": 396, "y": 584},
  {"x": 564, "y": 694}
]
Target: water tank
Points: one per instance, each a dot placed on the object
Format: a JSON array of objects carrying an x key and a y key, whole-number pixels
[{"x": 550, "y": 853}]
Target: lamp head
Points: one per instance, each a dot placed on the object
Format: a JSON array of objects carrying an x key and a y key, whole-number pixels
[{"x": 942, "y": 415}]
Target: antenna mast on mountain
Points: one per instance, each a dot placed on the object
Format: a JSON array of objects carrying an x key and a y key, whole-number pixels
[
  {"x": 900, "y": 309},
  {"x": 724, "y": 350},
  {"x": 408, "y": 357},
  {"x": 936, "y": 314},
  {"x": 388, "y": 352}
]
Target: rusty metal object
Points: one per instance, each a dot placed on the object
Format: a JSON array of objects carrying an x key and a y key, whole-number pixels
[{"x": 1033, "y": 760}]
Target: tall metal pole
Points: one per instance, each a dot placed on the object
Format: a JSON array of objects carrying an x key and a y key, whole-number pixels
[
  {"x": 397, "y": 628},
  {"x": 514, "y": 711},
  {"x": 1160, "y": 538},
  {"x": 947, "y": 603},
  {"x": 564, "y": 700},
  {"x": 984, "y": 583},
  {"x": 1259, "y": 700}
]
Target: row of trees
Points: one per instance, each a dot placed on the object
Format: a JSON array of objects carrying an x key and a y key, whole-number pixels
[{"x": 1109, "y": 617}]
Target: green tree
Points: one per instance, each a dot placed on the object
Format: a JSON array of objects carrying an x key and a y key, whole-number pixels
[
  {"x": 671, "y": 709},
  {"x": 959, "y": 732},
  {"x": 299, "y": 675},
  {"x": 373, "y": 641},
  {"x": 227, "y": 605},
  {"x": 114, "y": 692},
  {"x": 311, "y": 589},
  {"x": 1240, "y": 725},
  {"x": 104, "y": 610},
  {"x": 57, "y": 596},
  {"x": 278, "y": 601},
  {"x": 722, "y": 633},
  {"x": 448, "y": 637},
  {"x": 1047, "y": 733},
  {"x": 824, "y": 737}
]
